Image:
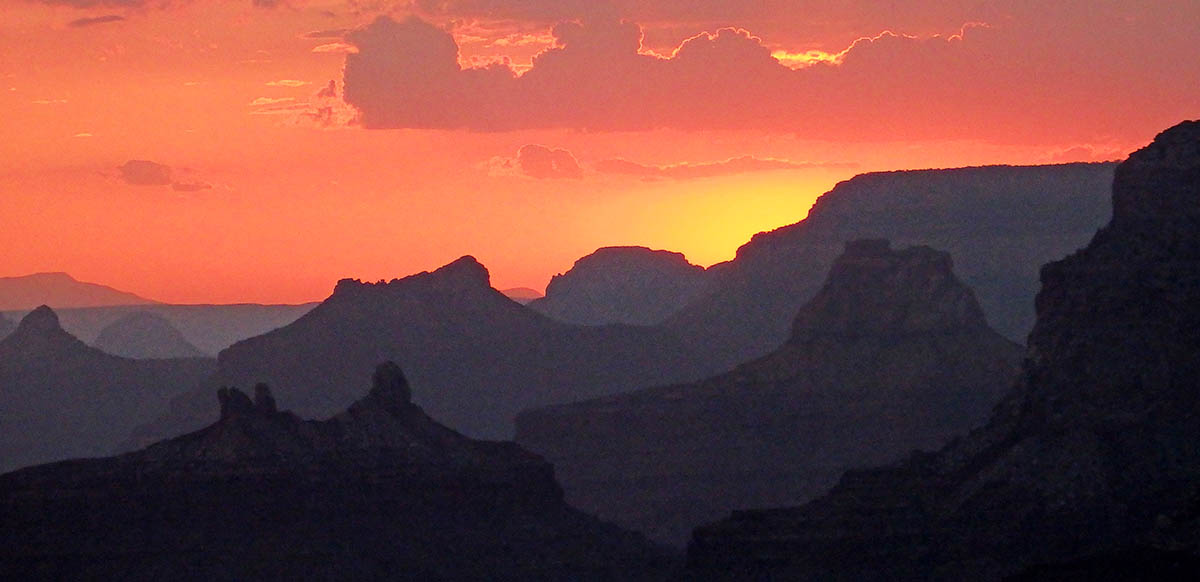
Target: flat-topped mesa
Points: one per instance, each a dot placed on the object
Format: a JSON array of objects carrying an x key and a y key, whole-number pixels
[
  {"x": 629, "y": 285},
  {"x": 874, "y": 290}
]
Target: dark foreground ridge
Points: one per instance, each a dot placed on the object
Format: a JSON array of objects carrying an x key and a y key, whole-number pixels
[
  {"x": 893, "y": 354},
  {"x": 379, "y": 491},
  {"x": 1091, "y": 461}
]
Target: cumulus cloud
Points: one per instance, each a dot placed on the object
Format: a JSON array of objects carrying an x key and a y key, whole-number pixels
[
  {"x": 596, "y": 76},
  {"x": 687, "y": 171},
  {"x": 538, "y": 161},
  {"x": 82, "y": 22},
  {"x": 145, "y": 173}
]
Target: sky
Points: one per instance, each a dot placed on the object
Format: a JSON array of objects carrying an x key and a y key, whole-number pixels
[{"x": 225, "y": 151}]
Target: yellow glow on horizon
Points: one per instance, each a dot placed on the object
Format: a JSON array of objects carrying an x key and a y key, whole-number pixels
[{"x": 807, "y": 58}]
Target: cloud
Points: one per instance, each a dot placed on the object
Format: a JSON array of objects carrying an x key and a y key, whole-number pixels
[
  {"x": 148, "y": 173},
  {"x": 974, "y": 84},
  {"x": 145, "y": 173},
  {"x": 687, "y": 171},
  {"x": 328, "y": 33},
  {"x": 287, "y": 83},
  {"x": 190, "y": 186},
  {"x": 82, "y": 22},
  {"x": 541, "y": 162}
]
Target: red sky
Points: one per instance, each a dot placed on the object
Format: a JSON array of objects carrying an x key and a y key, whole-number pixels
[{"x": 524, "y": 132}]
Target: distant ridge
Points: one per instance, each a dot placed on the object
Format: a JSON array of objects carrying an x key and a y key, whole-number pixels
[
  {"x": 60, "y": 290},
  {"x": 143, "y": 335},
  {"x": 522, "y": 295},
  {"x": 629, "y": 285}
]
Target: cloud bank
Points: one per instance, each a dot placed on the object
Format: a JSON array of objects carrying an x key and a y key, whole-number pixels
[
  {"x": 406, "y": 74},
  {"x": 688, "y": 171}
]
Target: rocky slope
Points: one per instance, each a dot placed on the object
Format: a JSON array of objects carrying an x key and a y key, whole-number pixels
[
  {"x": 60, "y": 290},
  {"x": 999, "y": 223},
  {"x": 378, "y": 492},
  {"x": 478, "y": 356},
  {"x": 893, "y": 354},
  {"x": 631, "y": 285},
  {"x": 61, "y": 399},
  {"x": 1090, "y": 460},
  {"x": 142, "y": 335},
  {"x": 6, "y": 327}
]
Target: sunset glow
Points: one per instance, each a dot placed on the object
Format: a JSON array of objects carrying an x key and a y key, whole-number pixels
[{"x": 292, "y": 144}]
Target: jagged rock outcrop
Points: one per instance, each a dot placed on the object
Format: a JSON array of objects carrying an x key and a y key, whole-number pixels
[
  {"x": 892, "y": 355},
  {"x": 61, "y": 399},
  {"x": 378, "y": 492},
  {"x": 60, "y": 290},
  {"x": 142, "y": 335},
  {"x": 1000, "y": 224},
  {"x": 478, "y": 356},
  {"x": 1090, "y": 460},
  {"x": 630, "y": 285}
]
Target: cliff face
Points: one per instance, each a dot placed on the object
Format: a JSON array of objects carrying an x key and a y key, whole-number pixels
[
  {"x": 999, "y": 223},
  {"x": 478, "y": 356},
  {"x": 379, "y": 491},
  {"x": 630, "y": 285},
  {"x": 893, "y": 354},
  {"x": 1091, "y": 454},
  {"x": 61, "y": 399}
]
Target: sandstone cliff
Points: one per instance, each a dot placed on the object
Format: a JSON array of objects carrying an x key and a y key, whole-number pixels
[
  {"x": 1000, "y": 224},
  {"x": 1091, "y": 459},
  {"x": 631, "y": 285},
  {"x": 893, "y": 354}
]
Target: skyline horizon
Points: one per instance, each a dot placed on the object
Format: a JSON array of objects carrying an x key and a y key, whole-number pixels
[{"x": 236, "y": 151}]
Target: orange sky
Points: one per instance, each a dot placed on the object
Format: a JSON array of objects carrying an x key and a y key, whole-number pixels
[{"x": 268, "y": 192}]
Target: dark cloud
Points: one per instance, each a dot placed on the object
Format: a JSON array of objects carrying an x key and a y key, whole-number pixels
[
  {"x": 686, "y": 171},
  {"x": 79, "y": 23},
  {"x": 328, "y": 91},
  {"x": 144, "y": 3},
  {"x": 328, "y": 33},
  {"x": 148, "y": 173},
  {"x": 982, "y": 83},
  {"x": 541, "y": 162},
  {"x": 145, "y": 173}
]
